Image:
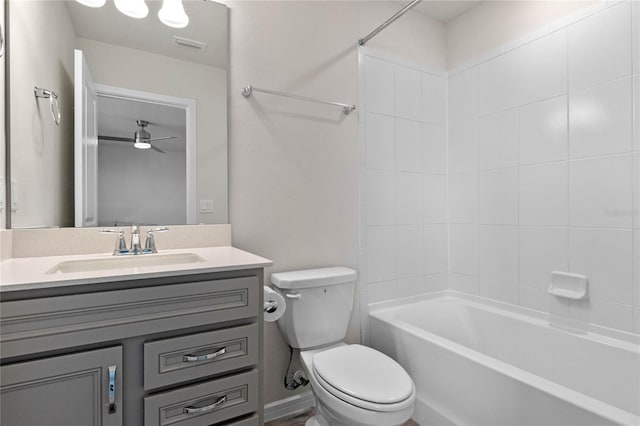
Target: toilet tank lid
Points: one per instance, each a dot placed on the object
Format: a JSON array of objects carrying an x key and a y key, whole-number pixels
[{"x": 308, "y": 278}]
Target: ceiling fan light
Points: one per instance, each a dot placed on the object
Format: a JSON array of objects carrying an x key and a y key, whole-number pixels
[
  {"x": 172, "y": 14},
  {"x": 134, "y": 8},
  {"x": 142, "y": 145},
  {"x": 92, "y": 3}
]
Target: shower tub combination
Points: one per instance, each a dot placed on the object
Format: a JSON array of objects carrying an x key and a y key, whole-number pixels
[{"x": 479, "y": 362}]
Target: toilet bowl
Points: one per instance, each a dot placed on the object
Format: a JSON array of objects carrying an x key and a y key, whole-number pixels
[
  {"x": 354, "y": 385},
  {"x": 358, "y": 386}
]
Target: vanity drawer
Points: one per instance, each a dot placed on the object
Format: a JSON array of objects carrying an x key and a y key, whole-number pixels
[
  {"x": 204, "y": 404},
  {"x": 171, "y": 361},
  {"x": 50, "y": 323}
]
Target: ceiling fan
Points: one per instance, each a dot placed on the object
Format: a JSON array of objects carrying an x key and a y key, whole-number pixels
[{"x": 141, "y": 137}]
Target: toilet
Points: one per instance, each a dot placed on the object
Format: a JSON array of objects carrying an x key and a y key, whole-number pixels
[{"x": 353, "y": 385}]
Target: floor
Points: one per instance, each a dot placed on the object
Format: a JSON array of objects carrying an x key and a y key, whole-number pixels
[{"x": 299, "y": 419}]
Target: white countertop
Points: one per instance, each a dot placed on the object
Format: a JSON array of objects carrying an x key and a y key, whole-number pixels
[{"x": 35, "y": 272}]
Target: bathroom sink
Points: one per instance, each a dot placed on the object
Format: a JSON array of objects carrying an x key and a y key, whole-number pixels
[{"x": 123, "y": 262}]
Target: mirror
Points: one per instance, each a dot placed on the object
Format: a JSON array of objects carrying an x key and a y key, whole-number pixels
[{"x": 142, "y": 136}]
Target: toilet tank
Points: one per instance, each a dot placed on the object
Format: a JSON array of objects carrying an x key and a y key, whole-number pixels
[{"x": 319, "y": 304}]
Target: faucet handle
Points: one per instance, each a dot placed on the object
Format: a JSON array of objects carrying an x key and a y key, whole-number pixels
[
  {"x": 121, "y": 244},
  {"x": 150, "y": 244}
]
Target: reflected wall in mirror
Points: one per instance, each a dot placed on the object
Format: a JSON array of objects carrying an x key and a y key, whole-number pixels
[{"x": 127, "y": 56}]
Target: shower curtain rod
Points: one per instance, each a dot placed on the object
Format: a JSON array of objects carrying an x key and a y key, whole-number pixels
[
  {"x": 346, "y": 108},
  {"x": 386, "y": 23}
]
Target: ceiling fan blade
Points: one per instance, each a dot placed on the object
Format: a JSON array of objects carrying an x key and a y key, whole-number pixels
[
  {"x": 115, "y": 138},
  {"x": 163, "y": 138},
  {"x": 157, "y": 149}
]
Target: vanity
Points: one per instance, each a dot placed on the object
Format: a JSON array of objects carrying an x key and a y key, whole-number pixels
[{"x": 88, "y": 340}]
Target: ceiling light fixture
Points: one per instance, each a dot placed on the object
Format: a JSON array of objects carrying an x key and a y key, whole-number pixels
[
  {"x": 142, "y": 137},
  {"x": 92, "y": 3},
  {"x": 172, "y": 14},
  {"x": 134, "y": 8}
]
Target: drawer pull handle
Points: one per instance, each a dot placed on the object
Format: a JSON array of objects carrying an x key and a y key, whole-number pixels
[
  {"x": 195, "y": 410},
  {"x": 112, "y": 389},
  {"x": 212, "y": 355}
]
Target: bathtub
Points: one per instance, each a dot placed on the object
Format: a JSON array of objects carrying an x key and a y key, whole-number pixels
[{"x": 479, "y": 362}]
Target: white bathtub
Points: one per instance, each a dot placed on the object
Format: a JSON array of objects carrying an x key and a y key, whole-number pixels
[{"x": 478, "y": 362}]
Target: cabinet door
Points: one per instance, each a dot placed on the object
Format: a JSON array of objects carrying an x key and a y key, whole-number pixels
[{"x": 82, "y": 389}]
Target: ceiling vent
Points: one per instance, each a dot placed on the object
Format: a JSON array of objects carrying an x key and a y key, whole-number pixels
[{"x": 192, "y": 44}]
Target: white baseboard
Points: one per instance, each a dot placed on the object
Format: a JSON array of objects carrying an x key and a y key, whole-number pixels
[{"x": 288, "y": 406}]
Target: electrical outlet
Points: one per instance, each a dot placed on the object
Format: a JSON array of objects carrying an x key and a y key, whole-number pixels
[{"x": 206, "y": 206}]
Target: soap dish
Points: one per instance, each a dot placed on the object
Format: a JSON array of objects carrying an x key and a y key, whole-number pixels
[{"x": 569, "y": 286}]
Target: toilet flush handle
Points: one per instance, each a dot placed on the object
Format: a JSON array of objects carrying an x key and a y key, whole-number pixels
[{"x": 293, "y": 295}]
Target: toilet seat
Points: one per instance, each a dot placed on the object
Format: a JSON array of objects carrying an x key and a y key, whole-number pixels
[{"x": 364, "y": 377}]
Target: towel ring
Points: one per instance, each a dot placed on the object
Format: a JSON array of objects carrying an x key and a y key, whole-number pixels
[{"x": 54, "y": 106}]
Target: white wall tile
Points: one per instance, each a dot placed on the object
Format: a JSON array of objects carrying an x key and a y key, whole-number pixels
[
  {"x": 599, "y": 47},
  {"x": 435, "y": 198},
  {"x": 434, "y": 99},
  {"x": 380, "y": 152},
  {"x": 600, "y": 192},
  {"x": 435, "y": 242},
  {"x": 381, "y": 254},
  {"x": 606, "y": 314},
  {"x": 541, "y": 251},
  {"x": 636, "y": 190},
  {"x": 462, "y": 96},
  {"x": 409, "y": 250},
  {"x": 498, "y": 253},
  {"x": 535, "y": 298},
  {"x": 636, "y": 111},
  {"x": 382, "y": 291},
  {"x": 497, "y": 81},
  {"x": 411, "y": 286},
  {"x": 497, "y": 140},
  {"x": 381, "y": 198},
  {"x": 635, "y": 34},
  {"x": 436, "y": 282},
  {"x": 379, "y": 86},
  {"x": 434, "y": 148},
  {"x": 605, "y": 257},
  {"x": 636, "y": 268},
  {"x": 498, "y": 195},
  {"x": 409, "y": 198},
  {"x": 542, "y": 131},
  {"x": 464, "y": 283},
  {"x": 408, "y": 93},
  {"x": 600, "y": 120},
  {"x": 507, "y": 293},
  {"x": 543, "y": 194},
  {"x": 463, "y": 198},
  {"x": 463, "y": 249},
  {"x": 463, "y": 147},
  {"x": 542, "y": 68},
  {"x": 408, "y": 145}
]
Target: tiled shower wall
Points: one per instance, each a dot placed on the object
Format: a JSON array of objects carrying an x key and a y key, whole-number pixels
[
  {"x": 541, "y": 172},
  {"x": 403, "y": 197},
  {"x": 544, "y": 172}
]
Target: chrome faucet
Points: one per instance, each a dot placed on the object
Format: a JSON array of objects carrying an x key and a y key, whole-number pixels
[
  {"x": 150, "y": 244},
  {"x": 121, "y": 245},
  {"x": 136, "y": 247}
]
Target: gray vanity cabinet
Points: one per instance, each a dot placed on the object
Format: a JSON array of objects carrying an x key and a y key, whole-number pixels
[
  {"x": 64, "y": 390},
  {"x": 183, "y": 351}
]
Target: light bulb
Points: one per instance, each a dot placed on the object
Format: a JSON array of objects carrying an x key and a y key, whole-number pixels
[
  {"x": 142, "y": 145},
  {"x": 134, "y": 8},
  {"x": 92, "y": 3},
  {"x": 172, "y": 14}
]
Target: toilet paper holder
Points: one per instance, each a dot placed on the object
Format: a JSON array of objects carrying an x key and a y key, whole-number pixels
[{"x": 270, "y": 306}]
